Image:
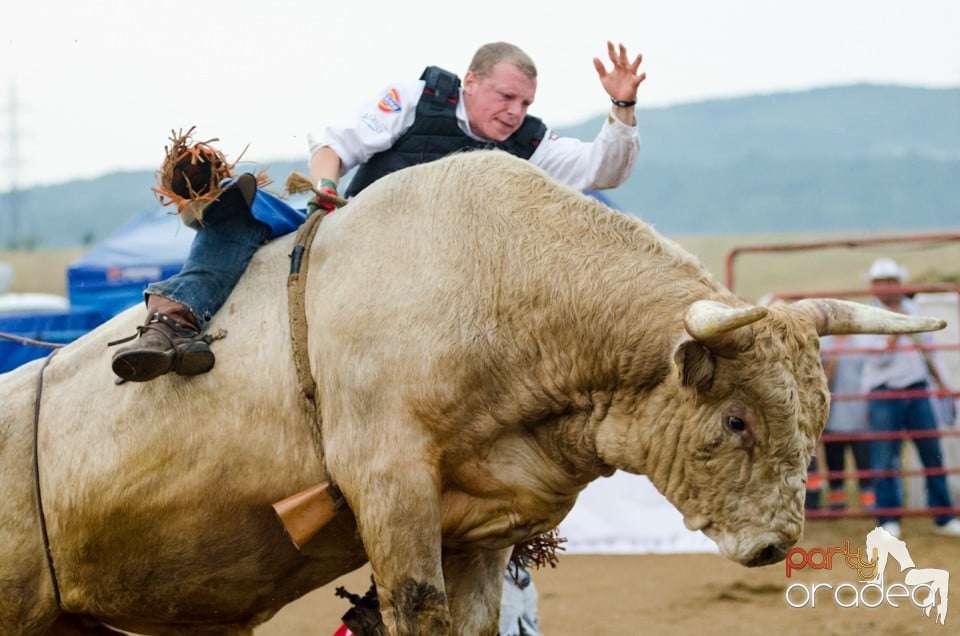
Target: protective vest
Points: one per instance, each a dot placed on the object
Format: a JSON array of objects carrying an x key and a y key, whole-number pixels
[{"x": 435, "y": 133}]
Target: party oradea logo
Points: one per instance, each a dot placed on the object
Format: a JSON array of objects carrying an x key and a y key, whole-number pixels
[{"x": 925, "y": 588}]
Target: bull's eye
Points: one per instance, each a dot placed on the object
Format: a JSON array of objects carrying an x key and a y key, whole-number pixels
[
  {"x": 736, "y": 424},
  {"x": 742, "y": 432}
]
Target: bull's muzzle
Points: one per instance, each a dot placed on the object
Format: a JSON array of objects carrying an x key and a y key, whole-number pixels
[{"x": 772, "y": 553}]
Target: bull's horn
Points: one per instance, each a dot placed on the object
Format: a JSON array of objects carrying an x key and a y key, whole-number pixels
[
  {"x": 717, "y": 326},
  {"x": 836, "y": 317}
]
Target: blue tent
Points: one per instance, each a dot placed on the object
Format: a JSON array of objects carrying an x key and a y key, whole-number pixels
[
  {"x": 102, "y": 283},
  {"x": 111, "y": 277},
  {"x": 55, "y": 327}
]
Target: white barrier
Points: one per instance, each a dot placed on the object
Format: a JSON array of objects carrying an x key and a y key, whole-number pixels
[{"x": 624, "y": 514}]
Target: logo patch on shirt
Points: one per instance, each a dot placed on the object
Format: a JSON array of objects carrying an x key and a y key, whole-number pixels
[{"x": 390, "y": 103}]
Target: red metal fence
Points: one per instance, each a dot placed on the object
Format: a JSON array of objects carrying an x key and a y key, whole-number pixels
[{"x": 912, "y": 470}]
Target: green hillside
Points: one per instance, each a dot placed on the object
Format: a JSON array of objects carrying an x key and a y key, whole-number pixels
[
  {"x": 843, "y": 158},
  {"x": 840, "y": 158}
]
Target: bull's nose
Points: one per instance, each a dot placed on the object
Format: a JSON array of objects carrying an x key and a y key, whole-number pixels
[{"x": 773, "y": 553}]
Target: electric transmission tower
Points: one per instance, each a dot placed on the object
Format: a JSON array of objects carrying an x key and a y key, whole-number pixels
[{"x": 10, "y": 212}]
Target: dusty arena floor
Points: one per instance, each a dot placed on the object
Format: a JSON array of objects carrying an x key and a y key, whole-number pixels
[{"x": 696, "y": 594}]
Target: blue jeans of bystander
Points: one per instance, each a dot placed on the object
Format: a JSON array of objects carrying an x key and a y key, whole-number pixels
[{"x": 912, "y": 414}]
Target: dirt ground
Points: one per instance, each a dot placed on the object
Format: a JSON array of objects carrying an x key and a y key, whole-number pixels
[{"x": 696, "y": 593}]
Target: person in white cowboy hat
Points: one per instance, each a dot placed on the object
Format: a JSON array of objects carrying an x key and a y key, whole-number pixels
[{"x": 901, "y": 366}]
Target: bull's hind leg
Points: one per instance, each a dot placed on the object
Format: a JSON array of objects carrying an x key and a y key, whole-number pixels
[
  {"x": 24, "y": 610},
  {"x": 474, "y": 583},
  {"x": 27, "y": 602},
  {"x": 28, "y": 605}
]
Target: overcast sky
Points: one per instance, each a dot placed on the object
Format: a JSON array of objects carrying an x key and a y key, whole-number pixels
[{"x": 100, "y": 84}]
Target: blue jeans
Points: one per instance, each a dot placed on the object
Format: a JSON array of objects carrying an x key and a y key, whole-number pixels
[
  {"x": 518, "y": 604},
  {"x": 218, "y": 257},
  {"x": 912, "y": 414}
]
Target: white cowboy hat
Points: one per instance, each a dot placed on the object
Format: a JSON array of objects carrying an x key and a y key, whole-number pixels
[{"x": 885, "y": 267}]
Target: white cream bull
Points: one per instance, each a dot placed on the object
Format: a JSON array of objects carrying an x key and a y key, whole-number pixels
[{"x": 485, "y": 343}]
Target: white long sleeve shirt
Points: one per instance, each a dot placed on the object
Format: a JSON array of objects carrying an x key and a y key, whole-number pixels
[
  {"x": 604, "y": 163},
  {"x": 894, "y": 369}
]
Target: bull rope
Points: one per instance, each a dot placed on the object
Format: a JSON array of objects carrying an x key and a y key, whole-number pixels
[
  {"x": 296, "y": 290},
  {"x": 36, "y": 480},
  {"x": 296, "y": 298}
]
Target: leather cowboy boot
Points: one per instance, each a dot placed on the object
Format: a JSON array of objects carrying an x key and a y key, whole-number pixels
[{"x": 169, "y": 341}]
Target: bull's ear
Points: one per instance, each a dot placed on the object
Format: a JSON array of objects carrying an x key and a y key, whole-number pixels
[{"x": 695, "y": 364}]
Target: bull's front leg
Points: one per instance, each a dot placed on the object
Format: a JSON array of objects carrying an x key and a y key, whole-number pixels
[
  {"x": 396, "y": 503},
  {"x": 474, "y": 584}
]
